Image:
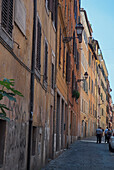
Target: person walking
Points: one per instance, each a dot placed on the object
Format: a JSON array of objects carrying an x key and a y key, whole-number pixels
[
  {"x": 106, "y": 130},
  {"x": 109, "y": 132},
  {"x": 99, "y": 134}
]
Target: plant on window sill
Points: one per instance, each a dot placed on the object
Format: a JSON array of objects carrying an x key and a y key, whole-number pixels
[
  {"x": 75, "y": 94},
  {"x": 7, "y": 90}
]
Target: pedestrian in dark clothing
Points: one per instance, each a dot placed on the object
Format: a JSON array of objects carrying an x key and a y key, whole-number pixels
[
  {"x": 106, "y": 130},
  {"x": 109, "y": 132},
  {"x": 99, "y": 134}
]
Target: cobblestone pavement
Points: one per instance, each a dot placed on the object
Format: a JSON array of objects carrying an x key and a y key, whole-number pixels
[{"x": 84, "y": 155}]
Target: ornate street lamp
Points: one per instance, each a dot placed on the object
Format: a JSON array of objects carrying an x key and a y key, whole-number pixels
[
  {"x": 85, "y": 77},
  {"x": 79, "y": 28}
]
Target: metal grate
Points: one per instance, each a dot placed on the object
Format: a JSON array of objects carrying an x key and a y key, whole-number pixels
[{"x": 7, "y": 16}]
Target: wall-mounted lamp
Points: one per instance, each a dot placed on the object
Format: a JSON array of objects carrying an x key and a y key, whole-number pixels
[
  {"x": 85, "y": 77},
  {"x": 79, "y": 28}
]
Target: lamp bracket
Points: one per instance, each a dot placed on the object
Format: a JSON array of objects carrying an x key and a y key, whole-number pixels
[{"x": 68, "y": 39}]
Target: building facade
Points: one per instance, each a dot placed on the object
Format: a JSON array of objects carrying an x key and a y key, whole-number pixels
[{"x": 57, "y": 108}]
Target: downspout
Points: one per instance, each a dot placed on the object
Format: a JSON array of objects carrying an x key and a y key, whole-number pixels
[
  {"x": 32, "y": 85},
  {"x": 54, "y": 111}
]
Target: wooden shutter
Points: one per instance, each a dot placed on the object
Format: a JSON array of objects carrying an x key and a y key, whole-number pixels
[
  {"x": 69, "y": 59},
  {"x": 77, "y": 64},
  {"x": 50, "y": 2},
  {"x": 72, "y": 80},
  {"x": 38, "y": 58},
  {"x": 7, "y": 16},
  {"x": 54, "y": 10},
  {"x": 60, "y": 46},
  {"x": 46, "y": 60},
  {"x": 73, "y": 42},
  {"x": 52, "y": 77},
  {"x": 67, "y": 67},
  {"x": 63, "y": 59}
]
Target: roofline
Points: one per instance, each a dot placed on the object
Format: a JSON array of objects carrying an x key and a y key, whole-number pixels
[{"x": 87, "y": 21}]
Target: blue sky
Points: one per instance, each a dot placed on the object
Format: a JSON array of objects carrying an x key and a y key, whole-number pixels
[{"x": 101, "y": 16}]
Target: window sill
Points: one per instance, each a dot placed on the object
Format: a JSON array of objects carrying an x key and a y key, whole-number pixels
[{"x": 6, "y": 37}]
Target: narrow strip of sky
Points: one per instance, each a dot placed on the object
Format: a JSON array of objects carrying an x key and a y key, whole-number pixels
[{"x": 101, "y": 16}]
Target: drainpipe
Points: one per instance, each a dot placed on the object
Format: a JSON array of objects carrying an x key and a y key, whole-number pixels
[
  {"x": 54, "y": 111},
  {"x": 32, "y": 85}
]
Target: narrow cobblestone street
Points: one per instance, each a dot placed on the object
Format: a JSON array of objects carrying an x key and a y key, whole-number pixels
[{"x": 84, "y": 155}]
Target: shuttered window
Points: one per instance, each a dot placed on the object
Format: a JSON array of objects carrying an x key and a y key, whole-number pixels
[
  {"x": 73, "y": 80},
  {"x": 52, "y": 76},
  {"x": 46, "y": 62},
  {"x": 38, "y": 58},
  {"x": 77, "y": 61},
  {"x": 67, "y": 67},
  {"x": 60, "y": 46},
  {"x": 75, "y": 10},
  {"x": 7, "y": 16},
  {"x": 64, "y": 59},
  {"x": 74, "y": 48}
]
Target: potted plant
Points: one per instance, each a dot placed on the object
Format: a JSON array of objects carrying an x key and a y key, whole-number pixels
[{"x": 75, "y": 94}]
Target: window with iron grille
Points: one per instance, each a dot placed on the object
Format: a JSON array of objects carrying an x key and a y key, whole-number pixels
[
  {"x": 46, "y": 62},
  {"x": 60, "y": 46},
  {"x": 52, "y": 76},
  {"x": 7, "y": 16},
  {"x": 38, "y": 57}
]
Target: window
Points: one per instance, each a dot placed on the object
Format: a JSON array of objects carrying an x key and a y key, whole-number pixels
[
  {"x": 77, "y": 63},
  {"x": 89, "y": 58},
  {"x": 7, "y": 16},
  {"x": 38, "y": 57},
  {"x": 67, "y": 67},
  {"x": 89, "y": 82},
  {"x": 93, "y": 109},
  {"x": 72, "y": 80},
  {"x": 2, "y": 140},
  {"x": 64, "y": 59},
  {"x": 34, "y": 134},
  {"x": 75, "y": 10},
  {"x": 46, "y": 61},
  {"x": 85, "y": 37},
  {"x": 102, "y": 112},
  {"x": 52, "y": 76},
  {"x": 74, "y": 47},
  {"x": 89, "y": 106},
  {"x": 92, "y": 86},
  {"x": 65, "y": 8},
  {"x": 60, "y": 46}
]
